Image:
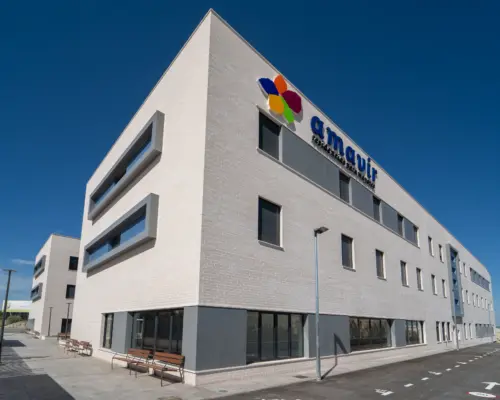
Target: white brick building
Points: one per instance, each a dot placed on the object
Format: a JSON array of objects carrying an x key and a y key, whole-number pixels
[
  {"x": 198, "y": 229},
  {"x": 53, "y": 290}
]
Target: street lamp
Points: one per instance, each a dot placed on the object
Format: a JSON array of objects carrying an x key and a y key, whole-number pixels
[
  {"x": 317, "y": 232},
  {"x": 4, "y": 314}
]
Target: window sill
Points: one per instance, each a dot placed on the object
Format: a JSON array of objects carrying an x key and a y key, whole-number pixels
[
  {"x": 382, "y": 279},
  {"x": 270, "y": 245},
  {"x": 349, "y": 269},
  {"x": 420, "y": 290},
  {"x": 406, "y": 286}
]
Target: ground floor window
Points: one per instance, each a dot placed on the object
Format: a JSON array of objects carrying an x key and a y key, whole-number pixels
[
  {"x": 369, "y": 333},
  {"x": 274, "y": 336},
  {"x": 108, "y": 331},
  {"x": 414, "y": 332},
  {"x": 158, "y": 330},
  {"x": 448, "y": 332},
  {"x": 66, "y": 325},
  {"x": 438, "y": 336}
]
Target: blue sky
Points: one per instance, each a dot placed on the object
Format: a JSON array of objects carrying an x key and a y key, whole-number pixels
[{"x": 417, "y": 86}]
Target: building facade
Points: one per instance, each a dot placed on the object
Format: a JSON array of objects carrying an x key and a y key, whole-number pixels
[
  {"x": 199, "y": 226},
  {"x": 54, "y": 286}
]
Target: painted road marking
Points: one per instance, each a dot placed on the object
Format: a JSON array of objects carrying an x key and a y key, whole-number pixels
[
  {"x": 485, "y": 395},
  {"x": 460, "y": 362},
  {"x": 491, "y": 385},
  {"x": 448, "y": 369},
  {"x": 383, "y": 392},
  {"x": 424, "y": 379},
  {"x": 471, "y": 360},
  {"x": 409, "y": 385},
  {"x": 457, "y": 366},
  {"x": 435, "y": 373}
]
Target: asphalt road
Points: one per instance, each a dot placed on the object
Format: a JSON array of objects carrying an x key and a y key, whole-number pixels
[{"x": 466, "y": 374}]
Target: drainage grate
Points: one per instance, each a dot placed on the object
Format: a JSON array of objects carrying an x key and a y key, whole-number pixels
[{"x": 300, "y": 376}]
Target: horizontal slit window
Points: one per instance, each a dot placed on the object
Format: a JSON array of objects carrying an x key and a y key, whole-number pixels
[
  {"x": 134, "y": 228},
  {"x": 140, "y": 153}
]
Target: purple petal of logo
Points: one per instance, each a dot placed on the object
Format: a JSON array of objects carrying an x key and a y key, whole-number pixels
[
  {"x": 268, "y": 86},
  {"x": 294, "y": 101}
]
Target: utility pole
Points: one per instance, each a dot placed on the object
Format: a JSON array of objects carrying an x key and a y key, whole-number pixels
[
  {"x": 4, "y": 314},
  {"x": 67, "y": 319},
  {"x": 50, "y": 318}
]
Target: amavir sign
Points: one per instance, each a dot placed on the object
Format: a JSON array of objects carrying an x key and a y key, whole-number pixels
[{"x": 334, "y": 146}]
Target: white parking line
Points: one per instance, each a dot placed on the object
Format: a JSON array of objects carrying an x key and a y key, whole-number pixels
[
  {"x": 460, "y": 362},
  {"x": 456, "y": 366},
  {"x": 424, "y": 379},
  {"x": 435, "y": 373},
  {"x": 409, "y": 385},
  {"x": 448, "y": 369}
]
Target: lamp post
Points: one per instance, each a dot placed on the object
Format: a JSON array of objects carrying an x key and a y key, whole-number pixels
[
  {"x": 317, "y": 232},
  {"x": 4, "y": 314},
  {"x": 67, "y": 320},
  {"x": 50, "y": 318}
]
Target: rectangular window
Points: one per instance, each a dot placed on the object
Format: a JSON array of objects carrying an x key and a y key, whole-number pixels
[
  {"x": 136, "y": 158},
  {"x": 108, "y": 331},
  {"x": 73, "y": 263},
  {"x": 438, "y": 336},
  {"x": 70, "y": 291},
  {"x": 66, "y": 325},
  {"x": 347, "y": 253},
  {"x": 158, "y": 330},
  {"x": 400, "y": 224},
  {"x": 376, "y": 209},
  {"x": 466, "y": 332},
  {"x": 274, "y": 336},
  {"x": 441, "y": 257},
  {"x": 404, "y": 274},
  {"x": 431, "y": 246},
  {"x": 36, "y": 292},
  {"x": 415, "y": 235},
  {"x": 434, "y": 285},
  {"x": 461, "y": 267},
  {"x": 468, "y": 297},
  {"x": 39, "y": 267},
  {"x": 419, "y": 279},
  {"x": 369, "y": 333},
  {"x": 470, "y": 331},
  {"x": 344, "y": 184},
  {"x": 379, "y": 260},
  {"x": 448, "y": 332},
  {"x": 269, "y": 136},
  {"x": 443, "y": 284},
  {"x": 473, "y": 300},
  {"x": 134, "y": 228},
  {"x": 269, "y": 222},
  {"x": 414, "y": 332}
]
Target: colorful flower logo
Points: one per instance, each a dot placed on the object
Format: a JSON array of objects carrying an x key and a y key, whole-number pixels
[{"x": 279, "y": 99}]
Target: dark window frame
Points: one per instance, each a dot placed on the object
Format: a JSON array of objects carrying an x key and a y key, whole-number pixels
[
  {"x": 359, "y": 342},
  {"x": 344, "y": 187},
  {"x": 349, "y": 263},
  {"x": 68, "y": 290},
  {"x": 380, "y": 255},
  {"x": 73, "y": 265},
  {"x": 434, "y": 284},
  {"x": 404, "y": 273},
  {"x": 261, "y": 226},
  {"x": 275, "y": 342},
  {"x": 272, "y": 128},
  {"x": 420, "y": 280},
  {"x": 107, "y": 317},
  {"x": 400, "y": 225},
  {"x": 417, "y": 326},
  {"x": 377, "y": 209}
]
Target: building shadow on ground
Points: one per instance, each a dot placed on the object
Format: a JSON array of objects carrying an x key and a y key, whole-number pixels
[{"x": 13, "y": 343}]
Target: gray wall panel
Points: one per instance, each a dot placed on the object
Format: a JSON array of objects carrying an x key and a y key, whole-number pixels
[
  {"x": 362, "y": 198},
  {"x": 334, "y": 336},
  {"x": 389, "y": 217},
  {"x": 122, "y": 331},
  {"x": 219, "y": 339},
  {"x": 189, "y": 337},
  {"x": 399, "y": 332},
  {"x": 304, "y": 159}
]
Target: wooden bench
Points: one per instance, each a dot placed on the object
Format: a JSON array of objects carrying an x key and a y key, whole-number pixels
[
  {"x": 85, "y": 347},
  {"x": 164, "y": 362},
  {"x": 63, "y": 336},
  {"x": 137, "y": 357},
  {"x": 72, "y": 345}
]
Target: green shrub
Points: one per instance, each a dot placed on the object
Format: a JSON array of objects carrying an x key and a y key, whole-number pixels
[{"x": 13, "y": 319}]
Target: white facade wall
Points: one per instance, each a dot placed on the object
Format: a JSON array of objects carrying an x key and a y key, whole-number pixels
[
  {"x": 257, "y": 277},
  {"x": 167, "y": 275},
  {"x": 55, "y": 278},
  {"x": 209, "y": 177}
]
